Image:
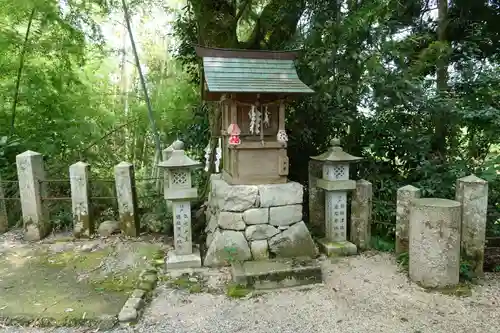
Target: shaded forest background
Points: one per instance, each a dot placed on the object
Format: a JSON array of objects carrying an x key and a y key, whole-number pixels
[{"x": 413, "y": 86}]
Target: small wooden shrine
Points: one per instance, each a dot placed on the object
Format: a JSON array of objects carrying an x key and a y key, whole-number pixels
[{"x": 253, "y": 88}]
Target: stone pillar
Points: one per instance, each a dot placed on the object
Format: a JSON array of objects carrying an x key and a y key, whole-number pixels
[
  {"x": 83, "y": 223},
  {"x": 316, "y": 199},
  {"x": 126, "y": 197},
  {"x": 182, "y": 227},
  {"x": 4, "y": 221},
  {"x": 361, "y": 214},
  {"x": 434, "y": 242},
  {"x": 30, "y": 171},
  {"x": 472, "y": 193},
  {"x": 405, "y": 196}
]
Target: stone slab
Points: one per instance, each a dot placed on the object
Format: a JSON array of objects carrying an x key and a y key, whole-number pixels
[
  {"x": 285, "y": 215},
  {"x": 227, "y": 246},
  {"x": 337, "y": 248},
  {"x": 296, "y": 241},
  {"x": 274, "y": 195},
  {"x": 183, "y": 261},
  {"x": 277, "y": 273}
]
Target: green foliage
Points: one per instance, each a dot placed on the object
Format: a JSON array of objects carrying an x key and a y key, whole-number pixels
[
  {"x": 231, "y": 252},
  {"x": 382, "y": 243},
  {"x": 237, "y": 290},
  {"x": 403, "y": 260},
  {"x": 466, "y": 271},
  {"x": 76, "y": 100}
]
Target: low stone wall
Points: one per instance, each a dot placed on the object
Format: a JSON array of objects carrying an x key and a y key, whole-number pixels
[{"x": 255, "y": 222}]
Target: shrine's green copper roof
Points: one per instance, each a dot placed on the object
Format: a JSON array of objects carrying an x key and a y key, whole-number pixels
[{"x": 251, "y": 71}]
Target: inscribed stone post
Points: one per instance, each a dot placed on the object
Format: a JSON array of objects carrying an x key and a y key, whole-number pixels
[
  {"x": 336, "y": 204},
  {"x": 182, "y": 227},
  {"x": 472, "y": 193},
  {"x": 126, "y": 197},
  {"x": 361, "y": 214},
  {"x": 4, "y": 221},
  {"x": 405, "y": 195},
  {"x": 316, "y": 199},
  {"x": 30, "y": 172},
  {"x": 434, "y": 241},
  {"x": 83, "y": 224}
]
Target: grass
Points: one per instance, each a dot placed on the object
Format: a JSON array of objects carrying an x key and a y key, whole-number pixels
[
  {"x": 237, "y": 290},
  {"x": 183, "y": 282}
]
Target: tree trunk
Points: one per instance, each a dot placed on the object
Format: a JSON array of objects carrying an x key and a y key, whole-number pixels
[
  {"x": 156, "y": 136},
  {"x": 20, "y": 72},
  {"x": 441, "y": 121}
]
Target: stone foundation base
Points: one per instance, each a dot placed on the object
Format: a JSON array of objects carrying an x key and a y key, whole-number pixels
[
  {"x": 277, "y": 273},
  {"x": 182, "y": 261},
  {"x": 344, "y": 248},
  {"x": 255, "y": 222}
]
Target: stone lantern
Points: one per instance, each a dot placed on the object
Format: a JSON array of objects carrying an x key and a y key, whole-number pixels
[
  {"x": 335, "y": 181},
  {"x": 178, "y": 190}
]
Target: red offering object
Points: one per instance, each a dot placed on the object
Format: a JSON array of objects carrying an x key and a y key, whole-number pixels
[
  {"x": 234, "y": 140},
  {"x": 234, "y": 134}
]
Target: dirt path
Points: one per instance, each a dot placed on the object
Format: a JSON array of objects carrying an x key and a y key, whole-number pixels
[{"x": 365, "y": 293}]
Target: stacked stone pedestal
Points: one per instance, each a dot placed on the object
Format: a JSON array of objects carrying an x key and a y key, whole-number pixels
[{"x": 255, "y": 222}]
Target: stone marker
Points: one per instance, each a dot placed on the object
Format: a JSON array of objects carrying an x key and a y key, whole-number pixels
[
  {"x": 361, "y": 215},
  {"x": 83, "y": 224},
  {"x": 30, "y": 172},
  {"x": 276, "y": 273},
  {"x": 180, "y": 192},
  {"x": 472, "y": 193},
  {"x": 405, "y": 196},
  {"x": 4, "y": 221},
  {"x": 336, "y": 183},
  {"x": 126, "y": 197},
  {"x": 434, "y": 242}
]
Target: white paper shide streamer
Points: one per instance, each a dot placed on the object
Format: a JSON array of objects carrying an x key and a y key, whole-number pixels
[
  {"x": 207, "y": 157},
  {"x": 267, "y": 117},
  {"x": 255, "y": 117},
  {"x": 218, "y": 156}
]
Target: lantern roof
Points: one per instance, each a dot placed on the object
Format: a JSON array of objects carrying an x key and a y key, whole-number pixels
[
  {"x": 179, "y": 160},
  {"x": 336, "y": 154},
  {"x": 250, "y": 71}
]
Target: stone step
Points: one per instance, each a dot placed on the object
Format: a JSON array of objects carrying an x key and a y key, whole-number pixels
[{"x": 277, "y": 273}]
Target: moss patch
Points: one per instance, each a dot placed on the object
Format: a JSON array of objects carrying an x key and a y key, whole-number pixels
[
  {"x": 184, "y": 282},
  {"x": 78, "y": 261},
  {"x": 72, "y": 287},
  {"x": 460, "y": 290},
  {"x": 47, "y": 294},
  {"x": 237, "y": 290}
]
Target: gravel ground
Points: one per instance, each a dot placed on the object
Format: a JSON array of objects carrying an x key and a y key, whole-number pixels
[{"x": 362, "y": 294}]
